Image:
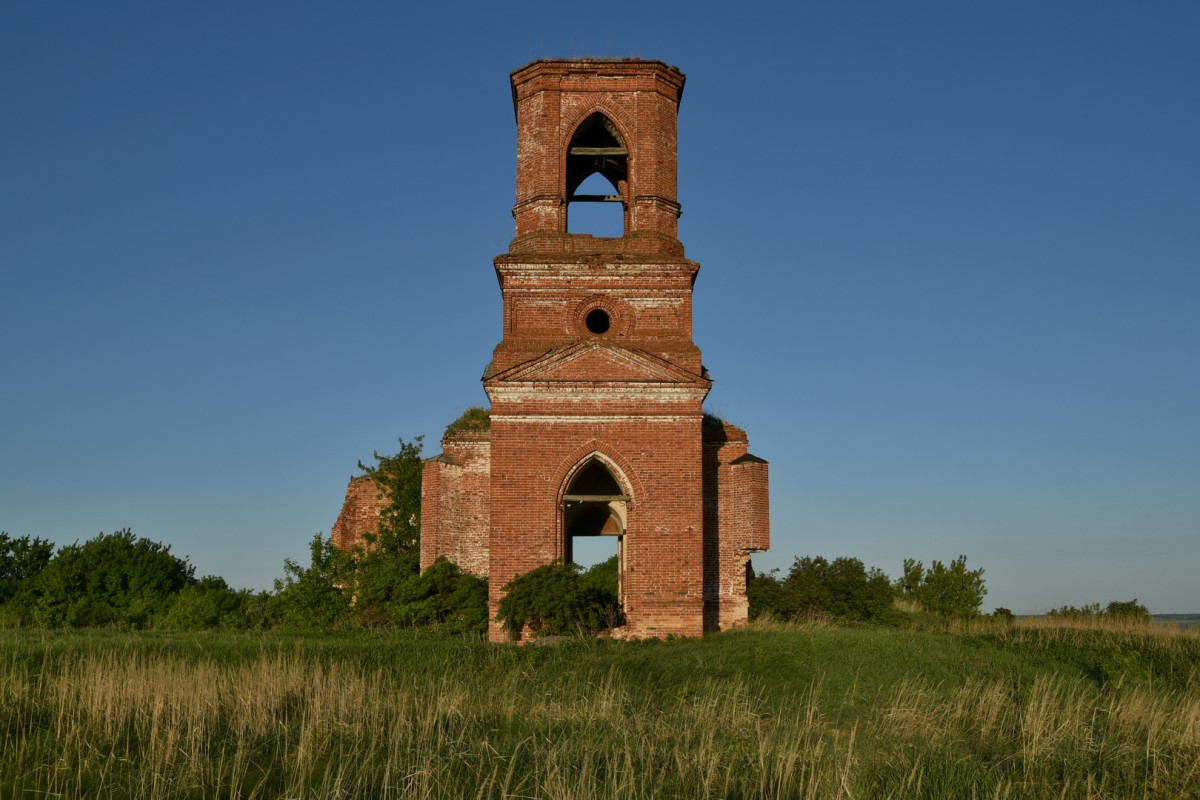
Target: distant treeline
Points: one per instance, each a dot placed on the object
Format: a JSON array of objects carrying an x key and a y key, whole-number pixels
[{"x": 125, "y": 581}]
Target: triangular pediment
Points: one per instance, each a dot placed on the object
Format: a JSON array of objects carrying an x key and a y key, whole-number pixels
[{"x": 589, "y": 362}]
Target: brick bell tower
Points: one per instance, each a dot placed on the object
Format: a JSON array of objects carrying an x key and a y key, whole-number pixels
[{"x": 596, "y": 387}]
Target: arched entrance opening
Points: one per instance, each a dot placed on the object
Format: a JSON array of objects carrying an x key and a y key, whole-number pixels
[{"x": 595, "y": 512}]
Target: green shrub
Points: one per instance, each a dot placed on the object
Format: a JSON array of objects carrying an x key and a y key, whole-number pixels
[
  {"x": 603, "y": 576},
  {"x": 814, "y": 588},
  {"x": 115, "y": 579},
  {"x": 1124, "y": 665},
  {"x": 948, "y": 591},
  {"x": 210, "y": 604},
  {"x": 1004, "y": 615},
  {"x": 1130, "y": 610},
  {"x": 311, "y": 598},
  {"x": 441, "y": 595},
  {"x": 1071, "y": 612},
  {"x": 556, "y": 600},
  {"x": 475, "y": 418}
]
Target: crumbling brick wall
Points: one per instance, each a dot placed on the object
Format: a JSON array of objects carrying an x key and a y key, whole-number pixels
[
  {"x": 736, "y": 521},
  {"x": 359, "y": 514},
  {"x": 456, "y": 502}
]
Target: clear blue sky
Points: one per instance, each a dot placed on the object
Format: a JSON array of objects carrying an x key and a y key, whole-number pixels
[{"x": 950, "y": 275}]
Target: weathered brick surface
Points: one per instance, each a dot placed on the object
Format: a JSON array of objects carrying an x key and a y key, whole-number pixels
[
  {"x": 456, "y": 503},
  {"x": 360, "y": 513},
  {"x": 736, "y": 521},
  {"x": 692, "y": 502},
  {"x": 552, "y": 99}
]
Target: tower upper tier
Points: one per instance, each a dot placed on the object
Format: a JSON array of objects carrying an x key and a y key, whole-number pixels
[{"x": 615, "y": 117}]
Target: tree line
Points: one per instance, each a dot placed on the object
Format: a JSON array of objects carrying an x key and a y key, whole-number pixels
[{"x": 123, "y": 580}]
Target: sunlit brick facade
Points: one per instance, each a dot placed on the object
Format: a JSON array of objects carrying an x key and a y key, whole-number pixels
[{"x": 596, "y": 386}]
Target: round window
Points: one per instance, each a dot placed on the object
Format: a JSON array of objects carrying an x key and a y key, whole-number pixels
[{"x": 597, "y": 321}]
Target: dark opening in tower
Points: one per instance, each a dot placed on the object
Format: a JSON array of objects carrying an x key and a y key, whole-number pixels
[{"x": 597, "y": 175}]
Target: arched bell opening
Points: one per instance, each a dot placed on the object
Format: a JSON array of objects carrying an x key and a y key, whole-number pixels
[
  {"x": 594, "y": 514},
  {"x": 597, "y": 179}
]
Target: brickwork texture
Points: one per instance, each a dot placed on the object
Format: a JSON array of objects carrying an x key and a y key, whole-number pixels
[{"x": 596, "y": 365}]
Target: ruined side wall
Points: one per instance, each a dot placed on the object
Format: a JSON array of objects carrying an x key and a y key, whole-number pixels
[
  {"x": 456, "y": 503},
  {"x": 736, "y": 522},
  {"x": 360, "y": 513}
]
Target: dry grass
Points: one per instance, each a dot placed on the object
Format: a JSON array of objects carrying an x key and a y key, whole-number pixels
[{"x": 124, "y": 722}]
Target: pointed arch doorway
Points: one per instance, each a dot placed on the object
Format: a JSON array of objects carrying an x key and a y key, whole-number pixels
[{"x": 595, "y": 508}]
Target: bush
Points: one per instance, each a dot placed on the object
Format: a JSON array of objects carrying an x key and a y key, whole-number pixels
[
  {"x": 115, "y": 579},
  {"x": 815, "y": 587},
  {"x": 1127, "y": 611},
  {"x": 556, "y": 600},
  {"x": 210, "y": 604},
  {"x": 1004, "y": 615},
  {"x": 441, "y": 595},
  {"x": 952, "y": 591},
  {"x": 1130, "y": 610},
  {"x": 1124, "y": 665},
  {"x": 311, "y": 598},
  {"x": 1073, "y": 613},
  {"x": 475, "y": 418}
]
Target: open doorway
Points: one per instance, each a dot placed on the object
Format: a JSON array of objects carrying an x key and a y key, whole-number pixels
[{"x": 594, "y": 516}]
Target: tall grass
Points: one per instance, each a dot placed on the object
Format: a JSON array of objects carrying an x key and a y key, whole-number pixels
[{"x": 757, "y": 713}]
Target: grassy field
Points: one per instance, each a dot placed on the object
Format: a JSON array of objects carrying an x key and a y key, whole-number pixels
[{"x": 1028, "y": 711}]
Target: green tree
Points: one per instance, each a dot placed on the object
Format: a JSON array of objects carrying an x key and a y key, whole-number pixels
[
  {"x": 114, "y": 579},
  {"x": 604, "y": 579},
  {"x": 1128, "y": 610},
  {"x": 603, "y": 576},
  {"x": 949, "y": 591},
  {"x": 312, "y": 597},
  {"x": 913, "y": 576},
  {"x": 843, "y": 588},
  {"x": 386, "y": 561},
  {"x": 1071, "y": 612},
  {"x": 398, "y": 478},
  {"x": 380, "y": 582},
  {"x": 389, "y": 586},
  {"x": 20, "y": 560},
  {"x": 765, "y": 594}
]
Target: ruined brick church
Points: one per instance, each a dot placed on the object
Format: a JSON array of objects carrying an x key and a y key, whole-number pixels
[{"x": 596, "y": 387}]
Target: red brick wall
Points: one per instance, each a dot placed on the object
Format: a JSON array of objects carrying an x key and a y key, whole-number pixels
[
  {"x": 359, "y": 514},
  {"x": 546, "y": 301},
  {"x": 456, "y": 501},
  {"x": 736, "y": 519},
  {"x": 657, "y": 460},
  {"x": 631, "y": 395},
  {"x": 641, "y": 98}
]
